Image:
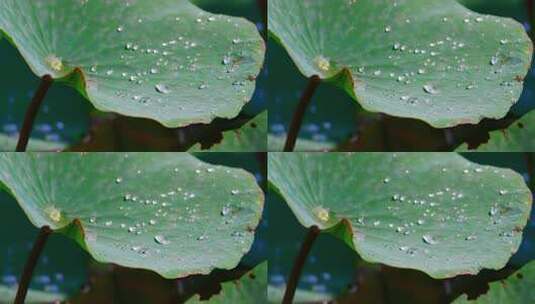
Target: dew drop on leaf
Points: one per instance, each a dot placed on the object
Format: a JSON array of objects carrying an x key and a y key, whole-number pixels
[
  {"x": 162, "y": 88},
  {"x": 430, "y": 89},
  {"x": 160, "y": 239},
  {"x": 428, "y": 239}
]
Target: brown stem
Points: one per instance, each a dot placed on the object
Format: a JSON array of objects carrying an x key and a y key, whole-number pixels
[
  {"x": 299, "y": 113},
  {"x": 300, "y": 260},
  {"x": 31, "y": 263},
  {"x": 262, "y": 4},
  {"x": 530, "y": 6},
  {"x": 32, "y": 111}
]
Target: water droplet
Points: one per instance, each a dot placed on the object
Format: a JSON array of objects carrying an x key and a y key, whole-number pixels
[
  {"x": 225, "y": 211},
  {"x": 430, "y": 89},
  {"x": 428, "y": 239},
  {"x": 120, "y": 29},
  {"x": 388, "y": 29},
  {"x": 162, "y": 88},
  {"x": 119, "y": 180},
  {"x": 493, "y": 211},
  {"x": 160, "y": 239}
]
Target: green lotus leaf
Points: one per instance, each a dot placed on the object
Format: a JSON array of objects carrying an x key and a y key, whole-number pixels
[
  {"x": 435, "y": 212},
  {"x": 165, "y": 60},
  {"x": 169, "y": 213},
  {"x": 519, "y": 137},
  {"x": 432, "y": 60},
  {"x": 250, "y": 288},
  {"x": 517, "y": 288},
  {"x": 251, "y": 137},
  {"x": 7, "y": 296}
]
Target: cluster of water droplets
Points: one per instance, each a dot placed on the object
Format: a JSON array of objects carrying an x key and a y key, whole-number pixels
[
  {"x": 151, "y": 224},
  {"x": 420, "y": 221},
  {"x": 430, "y": 71},
  {"x": 192, "y": 54}
]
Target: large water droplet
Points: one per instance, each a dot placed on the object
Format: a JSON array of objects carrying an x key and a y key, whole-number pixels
[
  {"x": 428, "y": 239},
  {"x": 160, "y": 239},
  {"x": 430, "y": 89},
  {"x": 162, "y": 88}
]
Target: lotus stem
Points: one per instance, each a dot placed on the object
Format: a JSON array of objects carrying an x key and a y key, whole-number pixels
[
  {"x": 32, "y": 111},
  {"x": 31, "y": 262},
  {"x": 300, "y": 260},
  {"x": 297, "y": 120}
]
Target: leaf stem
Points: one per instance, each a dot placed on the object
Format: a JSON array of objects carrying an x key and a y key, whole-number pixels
[
  {"x": 262, "y": 5},
  {"x": 530, "y": 6},
  {"x": 31, "y": 263},
  {"x": 299, "y": 113},
  {"x": 300, "y": 260},
  {"x": 32, "y": 111}
]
